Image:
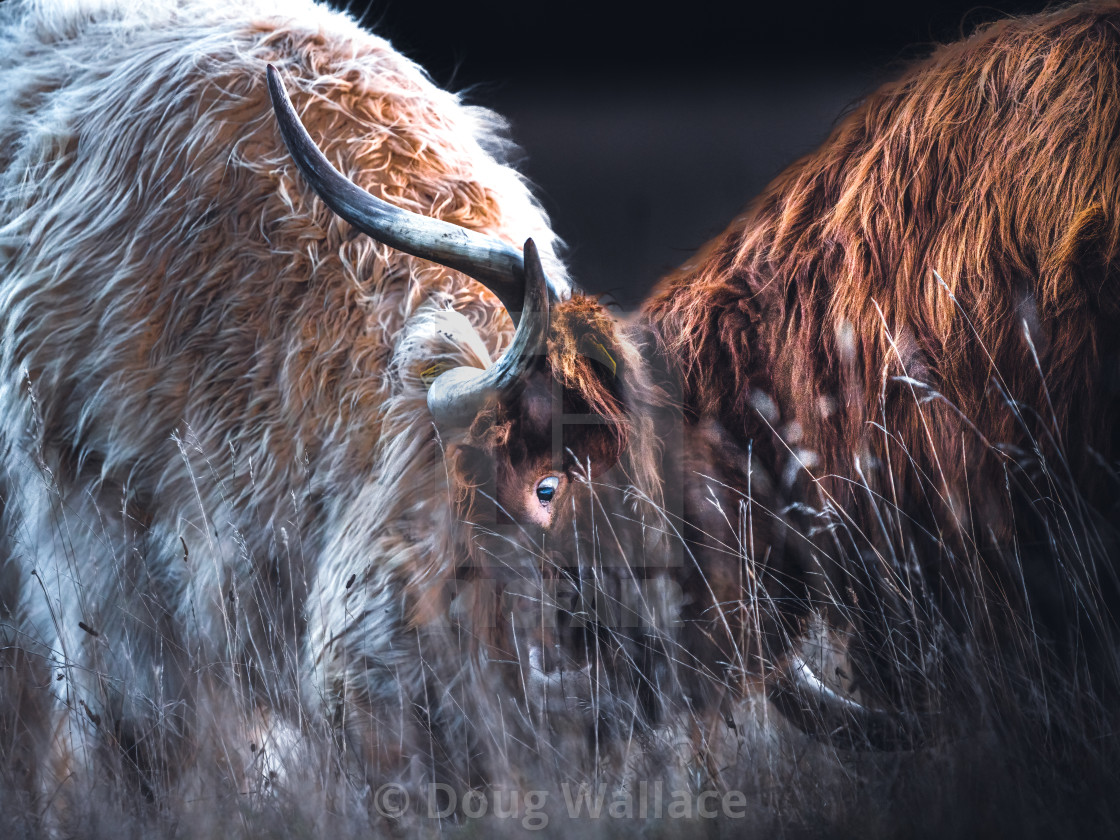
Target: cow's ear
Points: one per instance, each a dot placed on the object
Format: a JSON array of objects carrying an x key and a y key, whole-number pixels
[
  {"x": 592, "y": 347},
  {"x": 588, "y": 359}
]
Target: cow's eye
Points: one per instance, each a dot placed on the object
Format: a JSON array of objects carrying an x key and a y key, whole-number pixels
[{"x": 546, "y": 489}]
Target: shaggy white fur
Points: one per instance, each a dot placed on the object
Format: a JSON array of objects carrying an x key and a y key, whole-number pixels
[{"x": 219, "y": 473}]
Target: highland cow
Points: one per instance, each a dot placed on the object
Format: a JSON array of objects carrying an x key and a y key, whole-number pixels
[
  {"x": 221, "y": 480},
  {"x": 911, "y": 331}
]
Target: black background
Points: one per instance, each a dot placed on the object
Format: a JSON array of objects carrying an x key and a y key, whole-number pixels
[{"x": 645, "y": 127}]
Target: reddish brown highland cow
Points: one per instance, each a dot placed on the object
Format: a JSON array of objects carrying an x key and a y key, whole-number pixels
[{"x": 913, "y": 330}]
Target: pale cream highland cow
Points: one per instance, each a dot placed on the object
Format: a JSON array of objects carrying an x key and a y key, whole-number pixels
[{"x": 226, "y": 504}]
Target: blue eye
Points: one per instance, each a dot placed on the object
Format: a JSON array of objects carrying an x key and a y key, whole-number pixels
[{"x": 547, "y": 489}]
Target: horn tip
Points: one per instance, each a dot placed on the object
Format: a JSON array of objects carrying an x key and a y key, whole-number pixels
[
  {"x": 557, "y": 291},
  {"x": 275, "y": 86}
]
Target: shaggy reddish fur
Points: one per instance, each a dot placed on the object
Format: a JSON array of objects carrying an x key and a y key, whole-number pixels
[{"x": 994, "y": 164}]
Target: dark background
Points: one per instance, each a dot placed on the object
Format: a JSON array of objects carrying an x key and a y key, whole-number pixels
[{"x": 647, "y": 128}]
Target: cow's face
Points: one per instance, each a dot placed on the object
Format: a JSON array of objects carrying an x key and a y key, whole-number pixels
[
  {"x": 569, "y": 422},
  {"x": 557, "y": 486}
]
